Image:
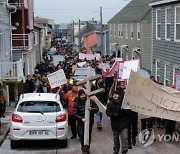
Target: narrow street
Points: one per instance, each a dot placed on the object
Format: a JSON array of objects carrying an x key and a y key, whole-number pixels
[{"x": 102, "y": 143}]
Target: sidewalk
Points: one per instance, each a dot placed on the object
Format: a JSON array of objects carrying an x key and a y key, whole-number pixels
[{"x": 5, "y": 124}]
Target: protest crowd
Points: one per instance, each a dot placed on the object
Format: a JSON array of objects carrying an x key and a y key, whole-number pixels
[{"x": 124, "y": 122}]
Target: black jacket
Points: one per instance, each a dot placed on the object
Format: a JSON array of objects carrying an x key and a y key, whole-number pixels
[
  {"x": 79, "y": 110},
  {"x": 119, "y": 117},
  {"x": 29, "y": 86}
]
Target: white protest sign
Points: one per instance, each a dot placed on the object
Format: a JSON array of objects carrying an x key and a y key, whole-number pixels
[
  {"x": 57, "y": 78},
  {"x": 81, "y": 64},
  {"x": 178, "y": 81},
  {"x": 146, "y": 97},
  {"x": 128, "y": 66}
]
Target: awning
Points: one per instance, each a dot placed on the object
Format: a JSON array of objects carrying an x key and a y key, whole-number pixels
[
  {"x": 125, "y": 47},
  {"x": 136, "y": 49},
  {"x": 4, "y": 26}
]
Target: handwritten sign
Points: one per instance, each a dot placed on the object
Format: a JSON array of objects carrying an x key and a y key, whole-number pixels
[
  {"x": 57, "y": 78},
  {"x": 149, "y": 98}
]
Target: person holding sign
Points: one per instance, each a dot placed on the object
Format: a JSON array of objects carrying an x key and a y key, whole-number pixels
[
  {"x": 79, "y": 114},
  {"x": 119, "y": 122}
]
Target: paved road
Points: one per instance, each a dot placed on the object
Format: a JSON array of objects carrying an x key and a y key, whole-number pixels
[{"x": 101, "y": 144}]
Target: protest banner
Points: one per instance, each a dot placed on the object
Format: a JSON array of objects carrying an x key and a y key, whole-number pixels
[
  {"x": 146, "y": 97},
  {"x": 57, "y": 78},
  {"x": 110, "y": 72},
  {"x": 82, "y": 56},
  {"x": 128, "y": 66}
]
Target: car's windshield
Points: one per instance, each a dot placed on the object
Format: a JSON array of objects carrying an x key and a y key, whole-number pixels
[
  {"x": 39, "y": 106},
  {"x": 83, "y": 72}
]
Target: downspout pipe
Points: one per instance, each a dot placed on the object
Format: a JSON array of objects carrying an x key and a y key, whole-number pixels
[{"x": 15, "y": 9}]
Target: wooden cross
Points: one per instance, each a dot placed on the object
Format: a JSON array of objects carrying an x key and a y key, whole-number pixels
[{"x": 89, "y": 93}]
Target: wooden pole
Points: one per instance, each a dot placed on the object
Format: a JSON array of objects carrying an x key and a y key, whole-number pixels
[{"x": 87, "y": 112}]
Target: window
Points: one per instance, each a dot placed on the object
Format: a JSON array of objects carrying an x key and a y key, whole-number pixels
[
  {"x": 121, "y": 29},
  {"x": 114, "y": 30},
  {"x": 126, "y": 30},
  {"x": 168, "y": 24},
  {"x": 157, "y": 76},
  {"x": 39, "y": 107},
  {"x": 1, "y": 41},
  {"x": 176, "y": 70},
  {"x": 158, "y": 24},
  {"x": 110, "y": 27},
  {"x": 177, "y": 23},
  {"x": 138, "y": 31},
  {"x": 132, "y": 35},
  {"x": 167, "y": 75}
]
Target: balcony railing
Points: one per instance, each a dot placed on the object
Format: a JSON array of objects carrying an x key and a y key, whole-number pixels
[
  {"x": 19, "y": 3},
  {"x": 23, "y": 41},
  {"x": 11, "y": 70}
]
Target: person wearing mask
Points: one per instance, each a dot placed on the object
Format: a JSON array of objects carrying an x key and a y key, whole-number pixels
[
  {"x": 3, "y": 100},
  {"x": 71, "y": 95},
  {"x": 119, "y": 122},
  {"x": 79, "y": 114}
]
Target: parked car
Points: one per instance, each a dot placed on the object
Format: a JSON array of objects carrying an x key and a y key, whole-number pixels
[
  {"x": 81, "y": 73},
  {"x": 39, "y": 116}
]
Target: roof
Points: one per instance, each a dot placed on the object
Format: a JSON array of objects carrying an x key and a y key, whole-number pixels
[
  {"x": 43, "y": 20},
  {"x": 6, "y": 26},
  {"x": 158, "y": 2},
  {"x": 38, "y": 97},
  {"x": 134, "y": 11},
  {"x": 87, "y": 29},
  {"x": 38, "y": 26}
]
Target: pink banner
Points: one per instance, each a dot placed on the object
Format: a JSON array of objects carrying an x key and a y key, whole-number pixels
[
  {"x": 82, "y": 56},
  {"x": 110, "y": 72}
]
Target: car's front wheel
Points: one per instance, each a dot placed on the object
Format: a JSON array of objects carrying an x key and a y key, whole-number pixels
[
  {"x": 14, "y": 144},
  {"x": 63, "y": 143}
]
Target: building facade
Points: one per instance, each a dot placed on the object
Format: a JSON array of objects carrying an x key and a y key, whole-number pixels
[
  {"x": 130, "y": 33},
  {"x": 166, "y": 40}
]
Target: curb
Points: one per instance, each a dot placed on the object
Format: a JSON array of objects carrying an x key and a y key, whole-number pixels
[{"x": 4, "y": 133}]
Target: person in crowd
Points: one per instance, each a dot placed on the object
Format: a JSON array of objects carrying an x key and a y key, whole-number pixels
[
  {"x": 147, "y": 123},
  {"x": 3, "y": 100},
  {"x": 119, "y": 122},
  {"x": 102, "y": 97},
  {"x": 79, "y": 113},
  {"x": 29, "y": 86},
  {"x": 132, "y": 129},
  {"x": 71, "y": 95},
  {"x": 170, "y": 125}
]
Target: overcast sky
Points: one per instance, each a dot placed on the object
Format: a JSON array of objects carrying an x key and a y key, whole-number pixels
[{"x": 65, "y": 11}]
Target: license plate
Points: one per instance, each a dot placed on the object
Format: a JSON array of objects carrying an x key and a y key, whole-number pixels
[{"x": 38, "y": 132}]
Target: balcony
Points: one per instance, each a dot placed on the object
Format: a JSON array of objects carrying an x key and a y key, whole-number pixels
[
  {"x": 19, "y": 3},
  {"x": 23, "y": 42},
  {"x": 11, "y": 70}
]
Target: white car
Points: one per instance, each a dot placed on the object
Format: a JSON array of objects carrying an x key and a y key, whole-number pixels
[
  {"x": 39, "y": 116},
  {"x": 81, "y": 73}
]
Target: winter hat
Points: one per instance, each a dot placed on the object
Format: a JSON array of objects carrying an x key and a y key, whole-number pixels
[
  {"x": 115, "y": 92},
  {"x": 80, "y": 92}
]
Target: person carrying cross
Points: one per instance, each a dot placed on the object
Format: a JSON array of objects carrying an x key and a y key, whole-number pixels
[{"x": 79, "y": 114}]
